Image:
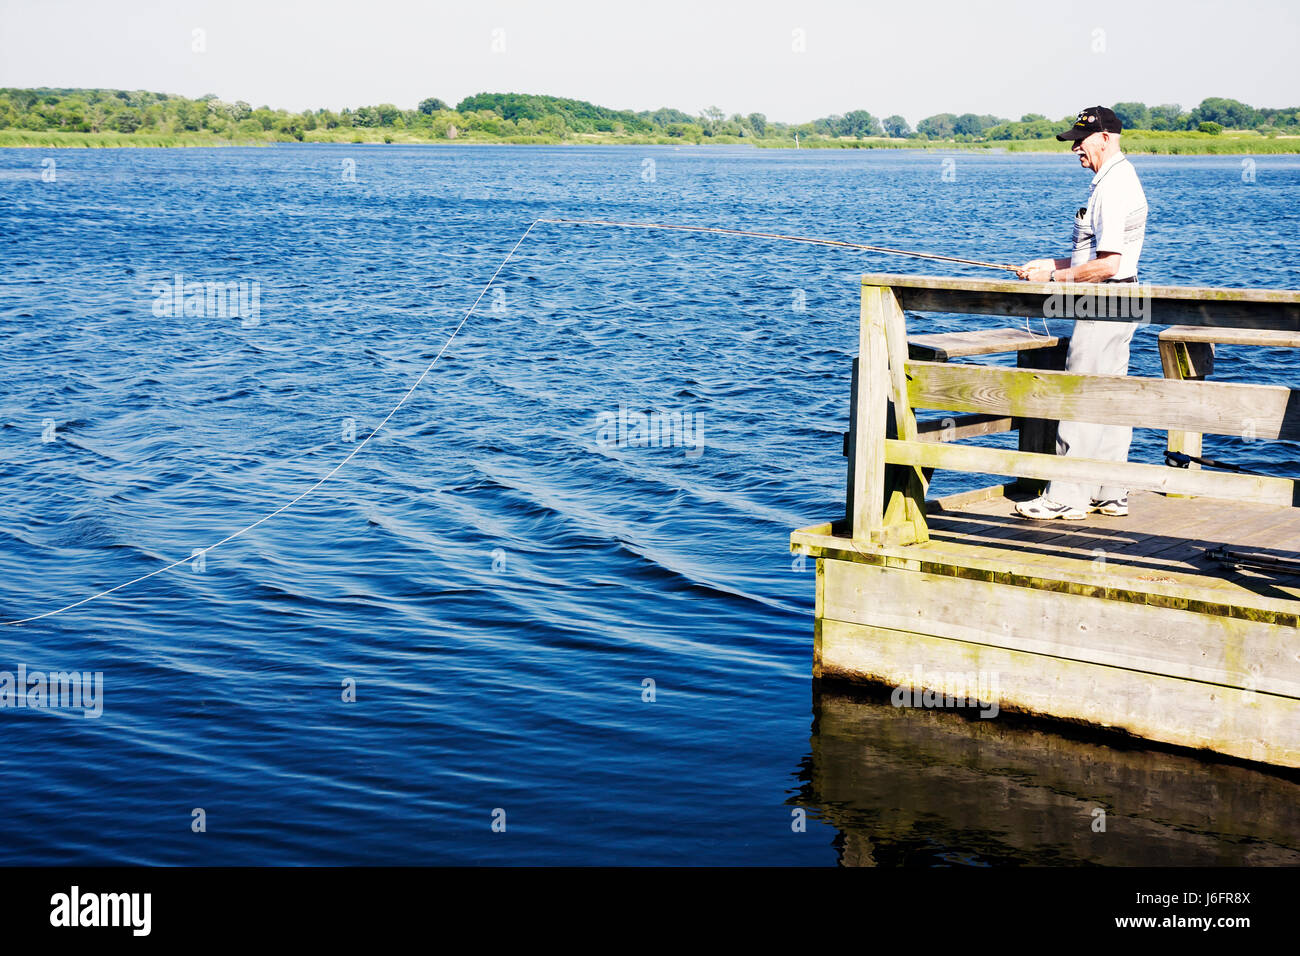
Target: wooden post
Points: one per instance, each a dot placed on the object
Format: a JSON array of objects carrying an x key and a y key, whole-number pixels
[
  {"x": 1185, "y": 360},
  {"x": 867, "y": 437},
  {"x": 849, "y": 452},
  {"x": 1039, "y": 434},
  {"x": 905, "y": 487}
]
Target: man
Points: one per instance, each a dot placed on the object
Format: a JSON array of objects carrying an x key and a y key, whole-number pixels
[{"x": 1108, "y": 235}]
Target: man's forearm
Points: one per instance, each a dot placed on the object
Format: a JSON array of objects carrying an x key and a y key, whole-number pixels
[{"x": 1094, "y": 270}]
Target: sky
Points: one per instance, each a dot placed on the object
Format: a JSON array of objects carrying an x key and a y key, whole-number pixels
[{"x": 792, "y": 61}]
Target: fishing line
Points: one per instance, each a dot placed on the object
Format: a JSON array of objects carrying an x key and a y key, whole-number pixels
[
  {"x": 776, "y": 235},
  {"x": 465, "y": 318}
]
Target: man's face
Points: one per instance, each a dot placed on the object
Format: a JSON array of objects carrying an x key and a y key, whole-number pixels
[{"x": 1089, "y": 150}]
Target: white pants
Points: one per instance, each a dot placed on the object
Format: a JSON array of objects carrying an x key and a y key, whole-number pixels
[{"x": 1096, "y": 348}]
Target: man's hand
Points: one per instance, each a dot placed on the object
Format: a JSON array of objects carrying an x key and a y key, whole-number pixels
[{"x": 1037, "y": 270}]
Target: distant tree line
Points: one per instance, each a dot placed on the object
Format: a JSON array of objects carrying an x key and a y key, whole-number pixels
[{"x": 519, "y": 115}]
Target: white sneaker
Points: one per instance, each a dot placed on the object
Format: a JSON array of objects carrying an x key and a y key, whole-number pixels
[
  {"x": 1044, "y": 507},
  {"x": 1115, "y": 507}
]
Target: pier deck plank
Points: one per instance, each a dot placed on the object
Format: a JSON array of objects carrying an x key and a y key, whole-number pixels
[
  {"x": 1155, "y": 556},
  {"x": 1160, "y": 533}
]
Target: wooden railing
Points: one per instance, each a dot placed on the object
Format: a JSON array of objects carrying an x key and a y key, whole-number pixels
[
  {"x": 1187, "y": 354},
  {"x": 891, "y": 456}
]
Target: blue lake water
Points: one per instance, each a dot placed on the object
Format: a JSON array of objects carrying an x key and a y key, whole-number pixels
[{"x": 496, "y": 582}]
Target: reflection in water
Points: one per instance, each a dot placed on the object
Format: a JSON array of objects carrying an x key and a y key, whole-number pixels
[{"x": 909, "y": 786}]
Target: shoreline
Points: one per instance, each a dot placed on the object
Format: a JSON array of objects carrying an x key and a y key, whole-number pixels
[{"x": 1140, "y": 143}]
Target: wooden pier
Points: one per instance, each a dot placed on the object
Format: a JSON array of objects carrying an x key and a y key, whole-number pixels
[{"x": 1120, "y": 623}]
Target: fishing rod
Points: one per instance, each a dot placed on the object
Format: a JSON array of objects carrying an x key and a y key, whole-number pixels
[{"x": 884, "y": 250}]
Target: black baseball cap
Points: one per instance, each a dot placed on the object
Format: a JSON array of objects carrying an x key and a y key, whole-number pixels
[{"x": 1094, "y": 119}]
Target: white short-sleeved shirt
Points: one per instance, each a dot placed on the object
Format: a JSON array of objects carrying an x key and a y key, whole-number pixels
[{"x": 1115, "y": 219}]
